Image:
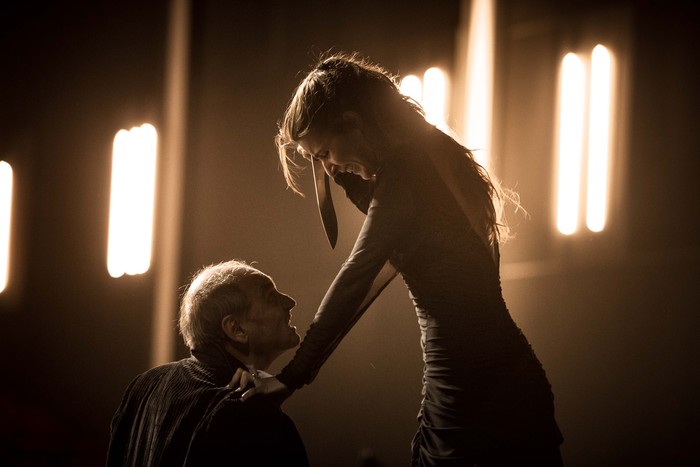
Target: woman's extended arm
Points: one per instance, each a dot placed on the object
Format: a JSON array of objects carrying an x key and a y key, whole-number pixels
[{"x": 362, "y": 277}]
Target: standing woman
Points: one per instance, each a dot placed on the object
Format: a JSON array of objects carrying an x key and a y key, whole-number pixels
[{"x": 432, "y": 217}]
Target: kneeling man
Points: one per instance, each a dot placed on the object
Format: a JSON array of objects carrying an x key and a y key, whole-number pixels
[{"x": 232, "y": 318}]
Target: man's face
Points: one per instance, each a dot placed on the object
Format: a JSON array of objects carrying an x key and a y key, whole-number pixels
[{"x": 268, "y": 321}]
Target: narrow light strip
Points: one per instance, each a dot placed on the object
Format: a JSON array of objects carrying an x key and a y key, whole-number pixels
[
  {"x": 171, "y": 182},
  {"x": 598, "y": 139},
  {"x": 434, "y": 96},
  {"x": 479, "y": 91},
  {"x": 571, "y": 120},
  {"x": 5, "y": 222},
  {"x": 131, "y": 201}
]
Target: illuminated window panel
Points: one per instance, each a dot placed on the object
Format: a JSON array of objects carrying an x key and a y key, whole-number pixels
[
  {"x": 570, "y": 142},
  {"x": 434, "y": 96},
  {"x": 585, "y": 122},
  {"x": 132, "y": 200},
  {"x": 431, "y": 93},
  {"x": 598, "y": 138},
  {"x": 5, "y": 222}
]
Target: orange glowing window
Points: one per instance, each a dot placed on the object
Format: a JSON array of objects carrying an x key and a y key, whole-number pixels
[
  {"x": 131, "y": 201},
  {"x": 583, "y": 147},
  {"x": 5, "y": 222},
  {"x": 430, "y": 92}
]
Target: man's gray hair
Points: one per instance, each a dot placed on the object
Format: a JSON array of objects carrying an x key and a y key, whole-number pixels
[{"x": 212, "y": 295}]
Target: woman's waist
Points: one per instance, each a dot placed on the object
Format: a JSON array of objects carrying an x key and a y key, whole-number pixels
[
  {"x": 513, "y": 368},
  {"x": 462, "y": 316},
  {"x": 459, "y": 346}
]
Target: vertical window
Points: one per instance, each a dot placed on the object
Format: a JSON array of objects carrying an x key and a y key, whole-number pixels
[
  {"x": 131, "y": 201},
  {"x": 5, "y": 221},
  {"x": 583, "y": 148},
  {"x": 599, "y": 138},
  {"x": 434, "y": 96},
  {"x": 430, "y": 92},
  {"x": 571, "y": 119}
]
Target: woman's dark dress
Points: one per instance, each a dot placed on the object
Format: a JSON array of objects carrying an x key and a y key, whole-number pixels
[{"x": 486, "y": 396}]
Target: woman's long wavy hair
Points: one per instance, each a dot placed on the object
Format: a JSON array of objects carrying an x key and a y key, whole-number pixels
[{"x": 343, "y": 82}]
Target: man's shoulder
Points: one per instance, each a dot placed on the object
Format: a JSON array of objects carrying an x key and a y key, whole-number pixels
[
  {"x": 151, "y": 376},
  {"x": 258, "y": 407},
  {"x": 162, "y": 369},
  {"x": 259, "y": 414},
  {"x": 257, "y": 429}
]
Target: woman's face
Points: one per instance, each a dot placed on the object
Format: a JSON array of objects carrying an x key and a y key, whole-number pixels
[{"x": 345, "y": 151}]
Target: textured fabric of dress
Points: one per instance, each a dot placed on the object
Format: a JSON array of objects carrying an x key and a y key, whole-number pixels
[
  {"x": 486, "y": 398},
  {"x": 180, "y": 414}
]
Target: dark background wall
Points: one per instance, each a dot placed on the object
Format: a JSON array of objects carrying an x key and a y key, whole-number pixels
[{"x": 612, "y": 316}]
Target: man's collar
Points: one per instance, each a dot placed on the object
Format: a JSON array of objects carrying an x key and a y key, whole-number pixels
[{"x": 218, "y": 359}]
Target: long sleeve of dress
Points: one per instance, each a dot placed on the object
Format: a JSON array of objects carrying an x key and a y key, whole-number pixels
[{"x": 361, "y": 278}]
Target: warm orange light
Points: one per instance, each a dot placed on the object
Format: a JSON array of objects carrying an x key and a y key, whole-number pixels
[
  {"x": 5, "y": 221},
  {"x": 598, "y": 138},
  {"x": 430, "y": 93},
  {"x": 435, "y": 96},
  {"x": 131, "y": 201},
  {"x": 570, "y": 146},
  {"x": 479, "y": 81},
  {"x": 412, "y": 87}
]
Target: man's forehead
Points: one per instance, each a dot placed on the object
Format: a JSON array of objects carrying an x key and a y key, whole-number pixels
[{"x": 257, "y": 283}]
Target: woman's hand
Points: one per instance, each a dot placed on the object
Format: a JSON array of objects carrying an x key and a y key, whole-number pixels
[{"x": 261, "y": 382}]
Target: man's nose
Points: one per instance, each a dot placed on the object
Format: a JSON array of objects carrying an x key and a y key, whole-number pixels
[{"x": 330, "y": 168}]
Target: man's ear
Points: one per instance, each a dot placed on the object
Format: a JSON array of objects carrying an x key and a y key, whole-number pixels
[{"x": 233, "y": 329}]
